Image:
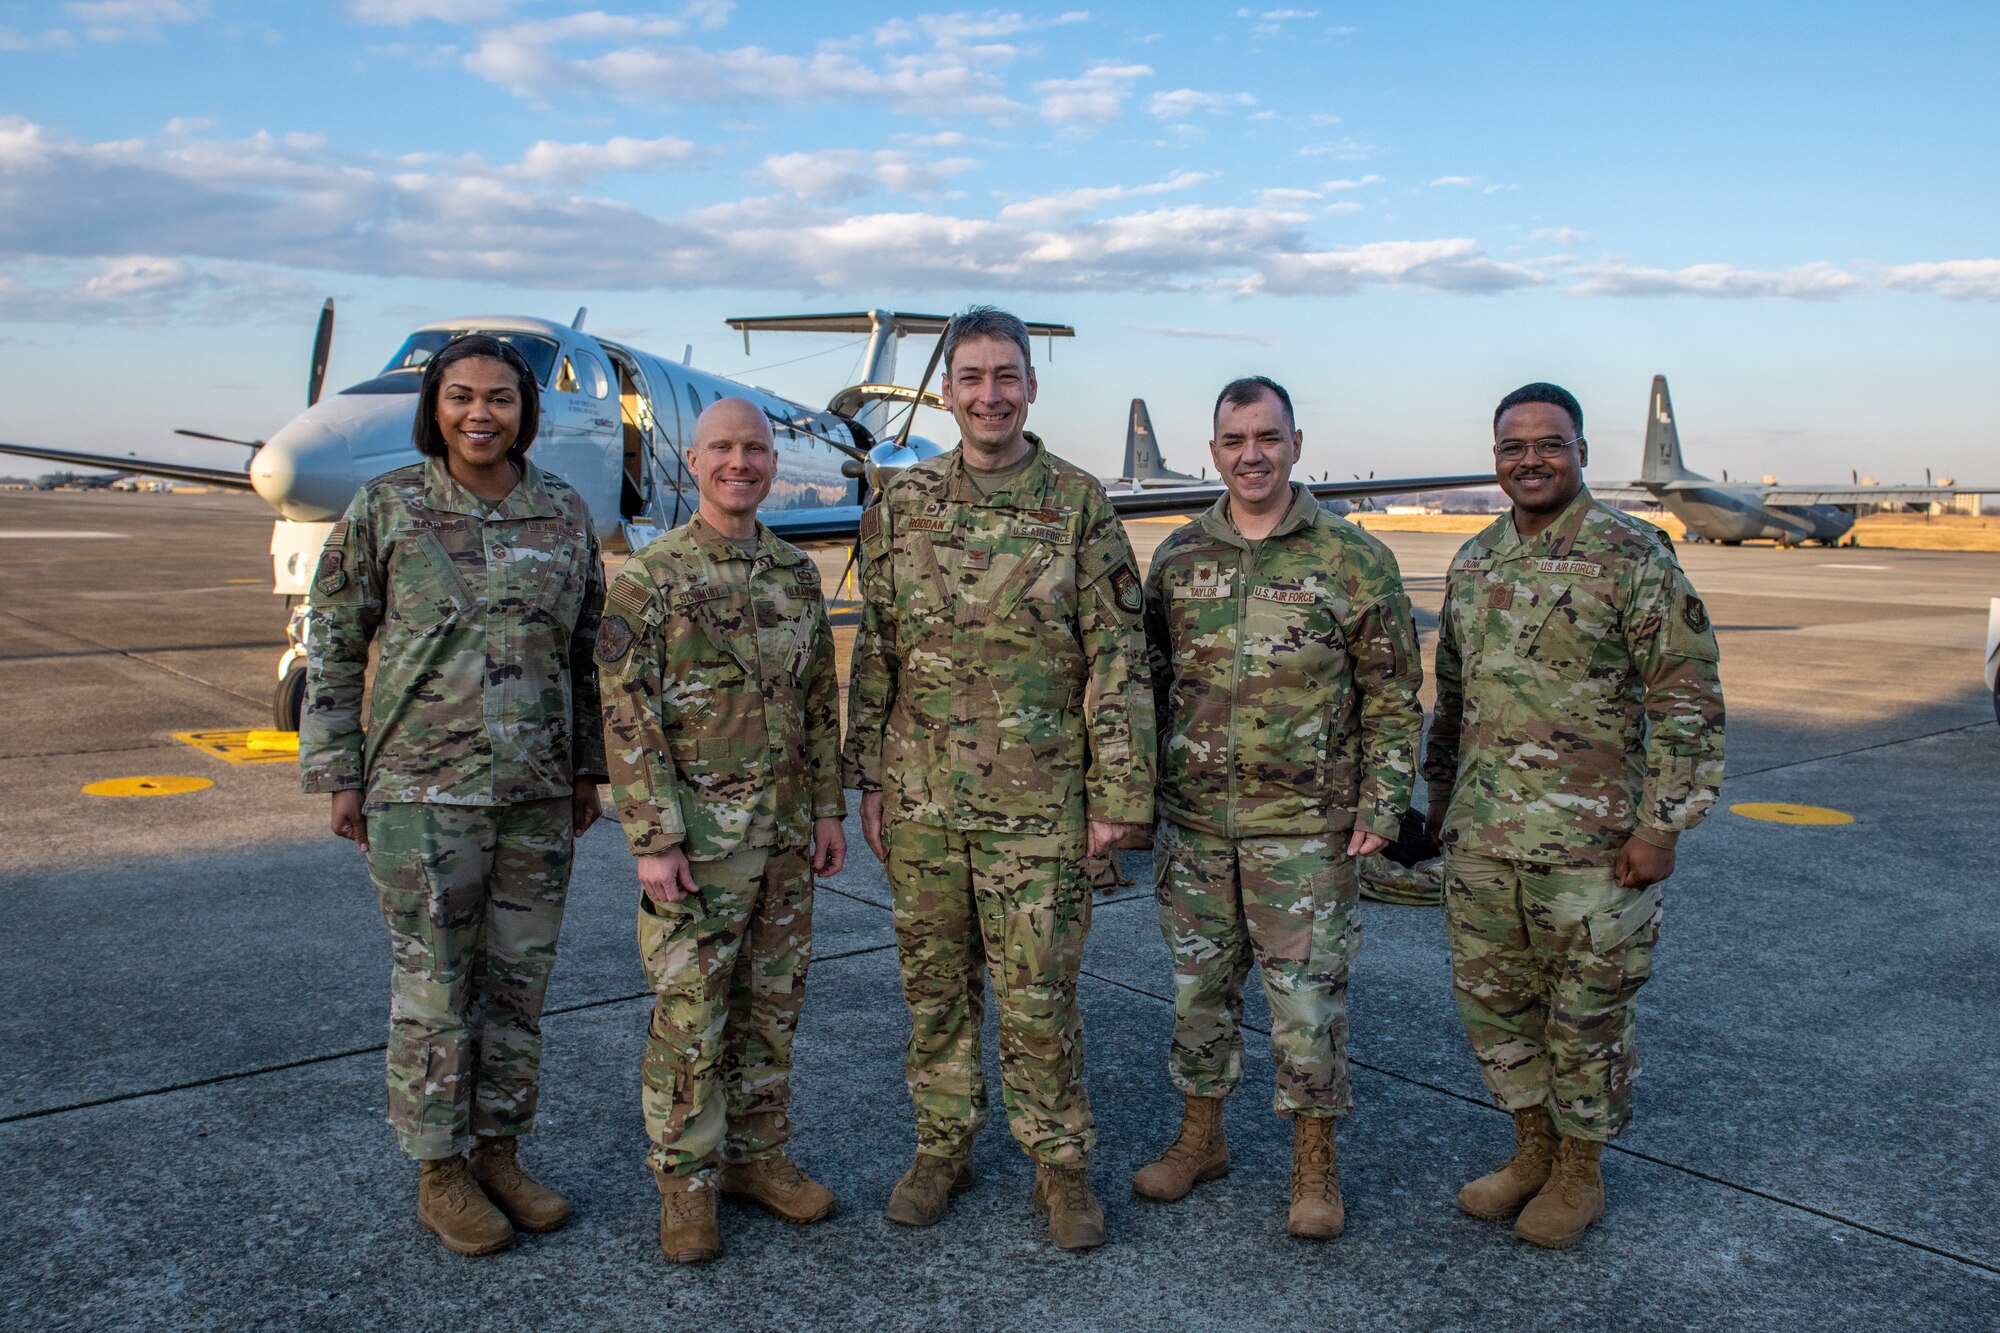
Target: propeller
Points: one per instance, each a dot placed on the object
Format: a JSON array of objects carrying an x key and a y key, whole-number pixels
[
  {"x": 322, "y": 345},
  {"x": 889, "y": 458},
  {"x": 220, "y": 439}
]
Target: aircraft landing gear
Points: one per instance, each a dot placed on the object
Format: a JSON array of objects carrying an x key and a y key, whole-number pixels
[{"x": 288, "y": 704}]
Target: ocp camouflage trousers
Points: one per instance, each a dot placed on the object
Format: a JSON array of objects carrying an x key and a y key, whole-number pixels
[
  {"x": 1289, "y": 902},
  {"x": 473, "y": 898},
  {"x": 1018, "y": 903},
  {"x": 1545, "y": 964},
  {"x": 728, "y": 971}
]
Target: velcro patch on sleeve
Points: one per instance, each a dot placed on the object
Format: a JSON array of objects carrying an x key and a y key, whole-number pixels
[
  {"x": 332, "y": 575},
  {"x": 1126, "y": 589},
  {"x": 628, "y": 596},
  {"x": 614, "y": 639}
]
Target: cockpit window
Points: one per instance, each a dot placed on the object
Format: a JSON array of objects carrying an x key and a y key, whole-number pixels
[{"x": 405, "y": 368}]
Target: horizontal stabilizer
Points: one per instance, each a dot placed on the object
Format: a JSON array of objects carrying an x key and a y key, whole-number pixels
[
  {"x": 1863, "y": 495},
  {"x": 866, "y": 321},
  {"x": 206, "y": 476}
]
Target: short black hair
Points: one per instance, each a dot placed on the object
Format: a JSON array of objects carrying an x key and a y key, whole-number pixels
[
  {"x": 1243, "y": 392},
  {"x": 985, "y": 321},
  {"x": 1538, "y": 392},
  {"x": 429, "y": 439}
]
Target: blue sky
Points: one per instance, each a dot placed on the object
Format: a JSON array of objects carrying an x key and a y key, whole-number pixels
[{"x": 1401, "y": 211}]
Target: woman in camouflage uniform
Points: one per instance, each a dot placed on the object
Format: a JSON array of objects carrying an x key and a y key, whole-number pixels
[{"x": 477, "y": 577}]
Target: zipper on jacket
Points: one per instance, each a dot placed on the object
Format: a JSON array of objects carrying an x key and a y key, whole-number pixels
[{"x": 1235, "y": 685}]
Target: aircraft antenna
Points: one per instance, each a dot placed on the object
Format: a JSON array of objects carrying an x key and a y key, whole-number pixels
[{"x": 577, "y": 323}]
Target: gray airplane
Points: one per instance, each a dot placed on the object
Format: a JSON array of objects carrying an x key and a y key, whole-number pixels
[{"x": 1735, "y": 512}]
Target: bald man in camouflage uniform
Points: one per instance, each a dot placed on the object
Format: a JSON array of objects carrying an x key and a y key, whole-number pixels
[
  {"x": 1284, "y": 664},
  {"x": 1000, "y": 725},
  {"x": 1578, "y": 734},
  {"x": 723, "y": 718}
]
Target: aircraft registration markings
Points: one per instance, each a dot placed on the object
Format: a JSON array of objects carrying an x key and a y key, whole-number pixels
[
  {"x": 155, "y": 784},
  {"x": 244, "y": 747},
  {"x": 1788, "y": 812},
  {"x": 53, "y": 534}
]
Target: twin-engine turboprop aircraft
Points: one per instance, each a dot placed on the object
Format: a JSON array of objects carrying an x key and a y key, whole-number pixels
[
  {"x": 1735, "y": 512},
  {"x": 615, "y": 423}
]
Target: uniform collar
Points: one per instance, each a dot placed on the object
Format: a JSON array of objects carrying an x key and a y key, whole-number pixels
[
  {"x": 1026, "y": 489},
  {"x": 1559, "y": 537},
  {"x": 718, "y": 547},
  {"x": 1303, "y": 512},
  {"x": 530, "y": 497}
]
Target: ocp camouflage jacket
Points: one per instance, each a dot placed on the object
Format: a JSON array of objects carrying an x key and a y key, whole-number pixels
[
  {"x": 1579, "y": 701},
  {"x": 998, "y": 680},
  {"x": 484, "y": 616},
  {"x": 1286, "y": 677},
  {"x": 720, "y": 703}
]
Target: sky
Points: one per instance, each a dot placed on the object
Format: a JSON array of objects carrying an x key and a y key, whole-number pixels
[{"x": 1400, "y": 211}]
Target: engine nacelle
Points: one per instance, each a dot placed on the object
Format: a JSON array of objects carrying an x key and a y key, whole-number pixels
[{"x": 888, "y": 458}]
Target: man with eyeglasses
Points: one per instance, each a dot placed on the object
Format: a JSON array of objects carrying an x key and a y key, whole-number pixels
[{"x": 1578, "y": 733}]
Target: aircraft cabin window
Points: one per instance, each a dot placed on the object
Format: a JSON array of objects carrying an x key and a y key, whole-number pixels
[
  {"x": 590, "y": 374},
  {"x": 694, "y": 405}
]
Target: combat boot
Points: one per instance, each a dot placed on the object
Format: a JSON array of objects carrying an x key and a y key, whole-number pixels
[
  {"x": 529, "y": 1204},
  {"x": 1062, "y": 1190},
  {"x": 927, "y": 1189},
  {"x": 689, "y": 1233},
  {"x": 451, "y": 1204},
  {"x": 1317, "y": 1213},
  {"x": 775, "y": 1184},
  {"x": 1556, "y": 1218},
  {"x": 1199, "y": 1152},
  {"x": 1500, "y": 1196}
]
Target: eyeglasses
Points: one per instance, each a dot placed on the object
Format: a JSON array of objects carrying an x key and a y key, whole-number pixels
[{"x": 1513, "y": 451}]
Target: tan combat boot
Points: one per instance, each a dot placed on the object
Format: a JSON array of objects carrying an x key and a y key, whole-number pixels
[
  {"x": 1199, "y": 1152},
  {"x": 1062, "y": 1190},
  {"x": 927, "y": 1189},
  {"x": 1556, "y": 1218},
  {"x": 1317, "y": 1213},
  {"x": 689, "y": 1233},
  {"x": 1500, "y": 1196},
  {"x": 776, "y": 1185},
  {"x": 529, "y": 1204},
  {"x": 451, "y": 1204}
]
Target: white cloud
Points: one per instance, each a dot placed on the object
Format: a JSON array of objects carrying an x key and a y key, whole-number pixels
[
  {"x": 963, "y": 27},
  {"x": 402, "y": 13},
  {"x": 547, "y": 160},
  {"x": 1073, "y": 203},
  {"x": 1344, "y": 149},
  {"x": 1559, "y": 235},
  {"x": 1344, "y": 206},
  {"x": 845, "y": 173},
  {"x": 1184, "y": 102},
  {"x": 1281, "y": 194},
  {"x": 1955, "y": 279},
  {"x": 114, "y": 20},
  {"x": 1817, "y": 281},
  {"x": 1209, "y": 335},
  {"x": 1098, "y": 95},
  {"x": 1333, "y": 187},
  {"x": 1463, "y": 182}
]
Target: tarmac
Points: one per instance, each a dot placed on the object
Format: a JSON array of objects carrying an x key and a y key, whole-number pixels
[{"x": 193, "y": 1005}]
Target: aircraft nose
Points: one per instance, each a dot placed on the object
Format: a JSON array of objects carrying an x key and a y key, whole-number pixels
[{"x": 306, "y": 472}]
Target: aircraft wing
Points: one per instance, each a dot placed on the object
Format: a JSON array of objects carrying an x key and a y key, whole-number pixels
[
  {"x": 863, "y": 321},
  {"x": 206, "y": 476},
  {"x": 1862, "y": 495},
  {"x": 1624, "y": 492},
  {"x": 1193, "y": 499}
]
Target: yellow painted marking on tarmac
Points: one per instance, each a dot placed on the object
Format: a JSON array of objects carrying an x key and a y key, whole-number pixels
[
  {"x": 159, "y": 784},
  {"x": 243, "y": 747},
  {"x": 248, "y": 580},
  {"x": 1784, "y": 812}
]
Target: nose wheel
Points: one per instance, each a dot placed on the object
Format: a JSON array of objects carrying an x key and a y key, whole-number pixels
[{"x": 288, "y": 703}]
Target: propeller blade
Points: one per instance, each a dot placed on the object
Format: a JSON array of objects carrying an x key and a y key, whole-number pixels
[
  {"x": 219, "y": 439},
  {"x": 903, "y": 436},
  {"x": 322, "y": 345}
]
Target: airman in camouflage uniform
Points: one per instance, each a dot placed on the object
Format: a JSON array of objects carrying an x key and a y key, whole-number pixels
[
  {"x": 478, "y": 764},
  {"x": 999, "y": 719},
  {"x": 1578, "y": 733},
  {"x": 1285, "y": 673},
  {"x": 723, "y": 717}
]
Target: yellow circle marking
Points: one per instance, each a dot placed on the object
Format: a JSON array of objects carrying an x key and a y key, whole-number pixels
[
  {"x": 1784, "y": 812},
  {"x": 153, "y": 785}
]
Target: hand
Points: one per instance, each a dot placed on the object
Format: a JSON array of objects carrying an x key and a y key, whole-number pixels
[
  {"x": 1434, "y": 820},
  {"x": 871, "y": 824},
  {"x": 584, "y": 804},
  {"x": 1364, "y": 843},
  {"x": 1641, "y": 863},
  {"x": 1102, "y": 836},
  {"x": 666, "y": 876},
  {"x": 348, "y": 821},
  {"x": 829, "y": 847}
]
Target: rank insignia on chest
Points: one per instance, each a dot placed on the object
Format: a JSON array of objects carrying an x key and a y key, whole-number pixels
[
  {"x": 332, "y": 576},
  {"x": 614, "y": 639},
  {"x": 1695, "y": 614},
  {"x": 979, "y": 557},
  {"x": 1500, "y": 598},
  {"x": 1207, "y": 576},
  {"x": 1125, "y": 587}
]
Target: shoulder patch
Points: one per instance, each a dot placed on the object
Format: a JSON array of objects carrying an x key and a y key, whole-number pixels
[
  {"x": 332, "y": 576},
  {"x": 1125, "y": 587},
  {"x": 1694, "y": 613},
  {"x": 627, "y": 597},
  {"x": 338, "y": 537},
  {"x": 871, "y": 521},
  {"x": 614, "y": 639}
]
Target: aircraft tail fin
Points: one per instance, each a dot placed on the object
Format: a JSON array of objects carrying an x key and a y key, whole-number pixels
[
  {"x": 1143, "y": 462},
  {"x": 1663, "y": 439}
]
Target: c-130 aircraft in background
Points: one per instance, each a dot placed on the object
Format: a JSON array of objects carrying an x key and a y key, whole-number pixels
[{"x": 615, "y": 423}]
